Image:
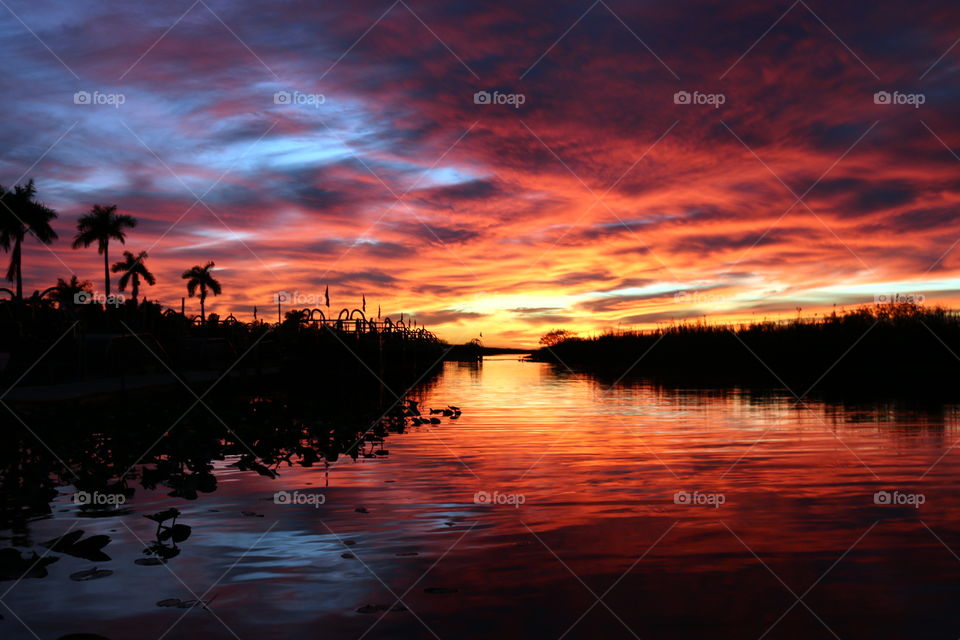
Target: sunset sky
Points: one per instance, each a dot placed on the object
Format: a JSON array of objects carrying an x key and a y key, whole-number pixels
[{"x": 598, "y": 202}]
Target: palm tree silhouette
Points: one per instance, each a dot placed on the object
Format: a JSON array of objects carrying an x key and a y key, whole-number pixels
[
  {"x": 200, "y": 277},
  {"x": 100, "y": 225},
  {"x": 67, "y": 294},
  {"x": 22, "y": 214},
  {"x": 133, "y": 269}
]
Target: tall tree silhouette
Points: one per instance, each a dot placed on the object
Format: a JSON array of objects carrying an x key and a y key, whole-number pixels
[
  {"x": 101, "y": 225},
  {"x": 21, "y": 214},
  {"x": 133, "y": 268},
  {"x": 198, "y": 277}
]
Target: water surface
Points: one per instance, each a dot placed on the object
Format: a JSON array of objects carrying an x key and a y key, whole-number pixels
[{"x": 635, "y": 511}]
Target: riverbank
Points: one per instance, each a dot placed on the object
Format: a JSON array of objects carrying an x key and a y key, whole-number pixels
[
  {"x": 886, "y": 349},
  {"x": 50, "y": 353}
]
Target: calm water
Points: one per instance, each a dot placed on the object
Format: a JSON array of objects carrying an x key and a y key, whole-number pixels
[{"x": 778, "y": 534}]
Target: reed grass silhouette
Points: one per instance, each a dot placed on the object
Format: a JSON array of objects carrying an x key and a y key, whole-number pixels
[{"x": 886, "y": 347}]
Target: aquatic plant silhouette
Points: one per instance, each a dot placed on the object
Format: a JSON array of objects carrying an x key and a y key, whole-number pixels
[
  {"x": 13, "y": 566},
  {"x": 888, "y": 347},
  {"x": 74, "y": 544}
]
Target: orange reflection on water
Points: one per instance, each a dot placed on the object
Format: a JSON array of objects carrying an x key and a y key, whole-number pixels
[{"x": 687, "y": 512}]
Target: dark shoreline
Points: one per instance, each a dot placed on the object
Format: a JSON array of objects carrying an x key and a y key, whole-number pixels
[{"x": 900, "y": 351}]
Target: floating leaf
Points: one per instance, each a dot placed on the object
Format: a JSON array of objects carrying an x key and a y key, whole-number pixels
[
  {"x": 169, "y": 602},
  {"x": 361, "y": 510},
  {"x": 148, "y": 562},
  {"x": 90, "y": 574},
  {"x": 407, "y": 554},
  {"x": 440, "y": 590},
  {"x": 13, "y": 566},
  {"x": 183, "y": 604},
  {"x": 89, "y": 549},
  {"x": 179, "y": 533},
  {"x": 163, "y": 516},
  {"x": 66, "y": 540}
]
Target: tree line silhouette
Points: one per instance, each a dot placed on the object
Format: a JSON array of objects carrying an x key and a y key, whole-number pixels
[
  {"x": 23, "y": 215},
  {"x": 888, "y": 348}
]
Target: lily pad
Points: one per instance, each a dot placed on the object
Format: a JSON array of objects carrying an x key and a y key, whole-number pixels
[
  {"x": 89, "y": 549},
  {"x": 182, "y": 604},
  {"x": 163, "y": 516},
  {"x": 362, "y": 510},
  {"x": 169, "y": 602},
  {"x": 90, "y": 574},
  {"x": 148, "y": 562},
  {"x": 13, "y": 566},
  {"x": 63, "y": 542},
  {"x": 179, "y": 533}
]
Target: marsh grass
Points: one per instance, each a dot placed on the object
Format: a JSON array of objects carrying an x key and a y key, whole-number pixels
[{"x": 889, "y": 348}]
